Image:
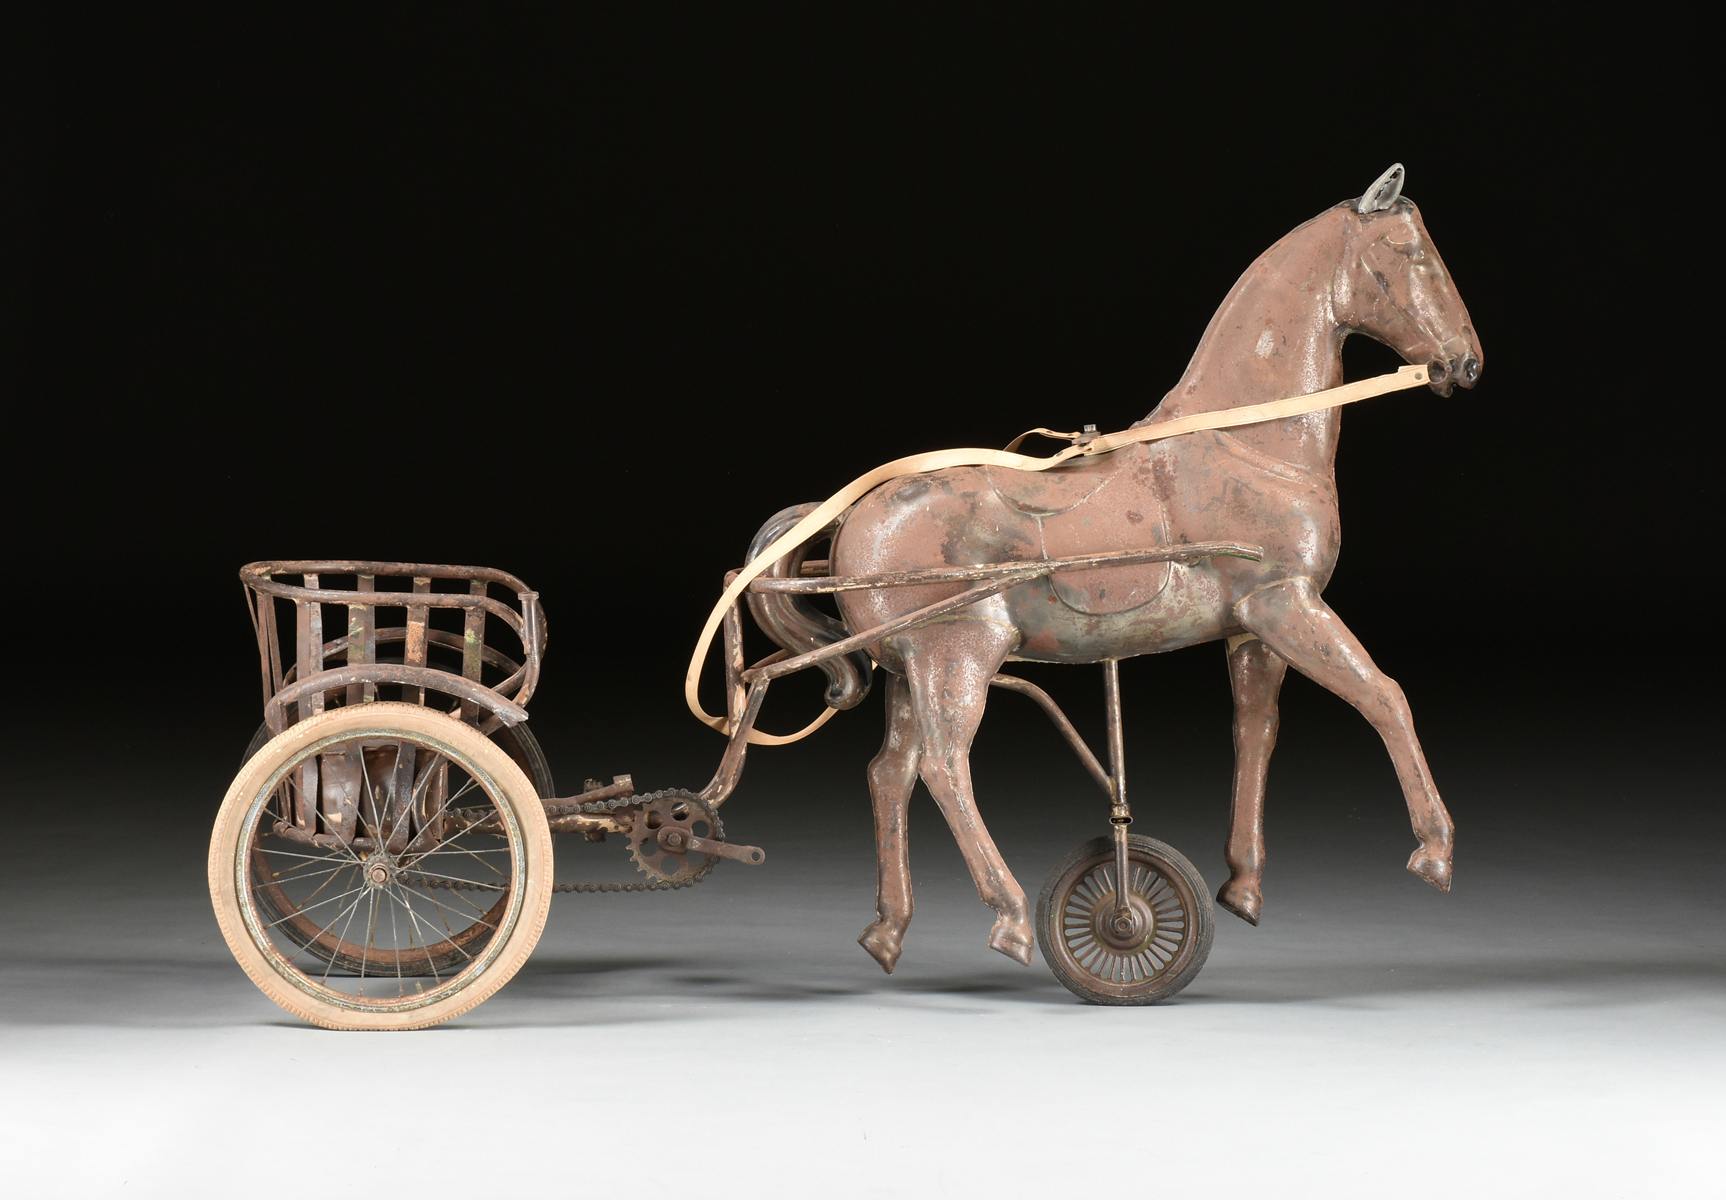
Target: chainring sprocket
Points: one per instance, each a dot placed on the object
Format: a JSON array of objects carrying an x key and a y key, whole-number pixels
[{"x": 674, "y": 811}]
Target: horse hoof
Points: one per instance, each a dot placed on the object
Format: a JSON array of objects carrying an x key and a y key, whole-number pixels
[
  {"x": 1014, "y": 940},
  {"x": 883, "y": 947},
  {"x": 1432, "y": 866},
  {"x": 1244, "y": 900}
]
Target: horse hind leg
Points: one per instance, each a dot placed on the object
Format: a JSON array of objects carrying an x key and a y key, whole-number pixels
[
  {"x": 1293, "y": 620},
  {"x": 948, "y": 667},
  {"x": 1255, "y": 677},
  {"x": 892, "y": 775}
]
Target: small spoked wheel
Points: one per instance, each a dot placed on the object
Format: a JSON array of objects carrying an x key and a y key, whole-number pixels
[
  {"x": 1143, "y": 955},
  {"x": 381, "y": 867}
]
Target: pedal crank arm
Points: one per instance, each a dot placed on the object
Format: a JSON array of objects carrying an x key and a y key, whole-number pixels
[{"x": 752, "y": 855}]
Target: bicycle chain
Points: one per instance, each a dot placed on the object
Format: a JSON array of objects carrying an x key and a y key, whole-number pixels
[{"x": 596, "y": 808}]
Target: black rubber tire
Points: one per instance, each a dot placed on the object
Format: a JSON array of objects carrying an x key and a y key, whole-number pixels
[{"x": 1173, "y": 953}]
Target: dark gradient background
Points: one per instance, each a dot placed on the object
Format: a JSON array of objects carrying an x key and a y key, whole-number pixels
[{"x": 591, "y": 303}]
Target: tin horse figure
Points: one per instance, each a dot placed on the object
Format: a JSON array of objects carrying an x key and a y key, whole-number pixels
[{"x": 1365, "y": 266}]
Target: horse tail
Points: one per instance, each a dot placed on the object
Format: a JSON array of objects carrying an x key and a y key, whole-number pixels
[{"x": 794, "y": 624}]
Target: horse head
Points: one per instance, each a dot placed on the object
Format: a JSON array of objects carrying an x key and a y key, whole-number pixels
[{"x": 1392, "y": 286}]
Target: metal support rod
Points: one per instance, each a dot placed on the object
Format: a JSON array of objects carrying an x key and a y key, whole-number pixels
[
  {"x": 1025, "y": 687},
  {"x": 731, "y": 765},
  {"x": 1185, "y": 552},
  {"x": 858, "y": 641},
  {"x": 1120, "y": 816}
]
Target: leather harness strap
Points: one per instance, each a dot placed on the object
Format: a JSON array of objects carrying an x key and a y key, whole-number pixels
[{"x": 937, "y": 460}]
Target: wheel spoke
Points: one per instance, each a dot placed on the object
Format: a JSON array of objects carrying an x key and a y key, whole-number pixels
[
  {"x": 471, "y": 854},
  {"x": 342, "y": 937},
  {"x": 371, "y": 935},
  {"x": 460, "y": 916},
  {"x": 407, "y": 903},
  {"x": 302, "y": 910}
]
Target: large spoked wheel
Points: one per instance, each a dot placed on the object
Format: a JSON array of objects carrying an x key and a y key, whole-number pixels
[
  {"x": 428, "y": 907},
  {"x": 1141, "y": 961},
  {"x": 524, "y": 750}
]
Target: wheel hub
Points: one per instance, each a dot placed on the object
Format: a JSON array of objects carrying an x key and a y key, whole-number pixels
[
  {"x": 1128, "y": 931},
  {"x": 378, "y": 870}
]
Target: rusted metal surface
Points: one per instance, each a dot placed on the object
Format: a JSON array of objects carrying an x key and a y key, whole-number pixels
[
  {"x": 309, "y": 684},
  {"x": 328, "y": 796},
  {"x": 1120, "y": 812},
  {"x": 730, "y": 770},
  {"x": 806, "y": 586},
  {"x": 362, "y": 641},
  {"x": 1366, "y": 266}
]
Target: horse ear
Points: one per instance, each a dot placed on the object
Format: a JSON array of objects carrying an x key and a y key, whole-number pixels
[{"x": 1383, "y": 192}]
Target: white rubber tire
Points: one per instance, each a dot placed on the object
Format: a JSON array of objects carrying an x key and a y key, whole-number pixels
[{"x": 531, "y": 867}]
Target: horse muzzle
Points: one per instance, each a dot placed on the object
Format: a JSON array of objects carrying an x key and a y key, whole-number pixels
[{"x": 1461, "y": 367}]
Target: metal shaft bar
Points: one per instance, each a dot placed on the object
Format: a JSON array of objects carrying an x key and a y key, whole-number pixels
[
  {"x": 1026, "y": 688},
  {"x": 268, "y": 605},
  {"x": 257, "y": 605},
  {"x": 421, "y": 678},
  {"x": 620, "y": 785},
  {"x": 724, "y": 780},
  {"x": 362, "y": 641},
  {"x": 928, "y": 613},
  {"x": 398, "y": 633},
  {"x": 1117, "y": 739},
  {"x": 533, "y": 638},
  {"x": 308, "y": 640},
  {"x": 1117, "y": 558},
  {"x": 1120, "y": 816},
  {"x": 252, "y": 572},
  {"x": 497, "y": 608},
  {"x": 414, "y": 648},
  {"x": 308, "y": 643},
  {"x": 473, "y": 647},
  {"x": 734, "y": 691}
]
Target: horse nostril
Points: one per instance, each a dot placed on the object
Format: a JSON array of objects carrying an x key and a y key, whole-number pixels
[
  {"x": 1471, "y": 368},
  {"x": 1437, "y": 371}
]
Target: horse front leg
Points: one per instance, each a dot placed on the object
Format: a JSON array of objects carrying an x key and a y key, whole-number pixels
[
  {"x": 948, "y": 667},
  {"x": 1293, "y": 620},
  {"x": 892, "y": 775},
  {"x": 1255, "y": 677}
]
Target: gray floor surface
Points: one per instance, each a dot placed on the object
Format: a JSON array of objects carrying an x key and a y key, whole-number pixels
[{"x": 1555, "y": 1027}]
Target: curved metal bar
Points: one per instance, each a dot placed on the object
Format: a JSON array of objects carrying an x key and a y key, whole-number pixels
[
  {"x": 399, "y": 633},
  {"x": 305, "y": 595},
  {"x": 776, "y": 667},
  {"x": 1184, "y": 552},
  {"x": 1025, "y": 687},
  {"x": 257, "y": 572},
  {"x": 506, "y": 711}
]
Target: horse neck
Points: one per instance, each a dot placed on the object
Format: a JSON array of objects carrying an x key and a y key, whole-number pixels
[{"x": 1276, "y": 335}]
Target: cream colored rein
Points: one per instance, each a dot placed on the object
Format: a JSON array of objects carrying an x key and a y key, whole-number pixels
[{"x": 937, "y": 460}]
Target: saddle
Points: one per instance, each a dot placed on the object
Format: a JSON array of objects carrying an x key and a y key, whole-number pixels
[{"x": 1092, "y": 506}]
